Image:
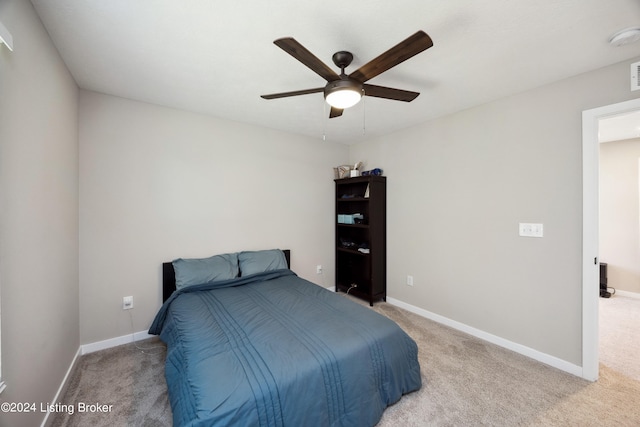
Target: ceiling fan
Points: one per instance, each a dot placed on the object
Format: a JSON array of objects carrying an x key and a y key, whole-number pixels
[{"x": 343, "y": 91}]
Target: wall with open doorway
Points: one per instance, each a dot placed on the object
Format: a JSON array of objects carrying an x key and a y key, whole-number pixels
[{"x": 620, "y": 213}]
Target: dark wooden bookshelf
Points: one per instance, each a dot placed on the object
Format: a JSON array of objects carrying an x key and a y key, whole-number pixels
[{"x": 358, "y": 272}]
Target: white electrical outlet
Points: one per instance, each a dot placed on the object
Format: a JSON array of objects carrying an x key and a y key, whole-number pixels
[
  {"x": 410, "y": 280},
  {"x": 318, "y": 269},
  {"x": 127, "y": 303}
]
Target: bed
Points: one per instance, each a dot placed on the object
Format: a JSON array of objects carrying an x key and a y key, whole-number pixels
[{"x": 256, "y": 345}]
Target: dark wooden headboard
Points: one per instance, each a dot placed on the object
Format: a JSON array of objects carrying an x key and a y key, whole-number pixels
[{"x": 169, "y": 276}]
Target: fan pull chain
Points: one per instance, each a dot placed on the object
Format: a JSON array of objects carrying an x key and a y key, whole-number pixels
[
  {"x": 324, "y": 120},
  {"x": 364, "y": 114}
]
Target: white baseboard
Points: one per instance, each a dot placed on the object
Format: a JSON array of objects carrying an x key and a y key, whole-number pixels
[
  {"x": 547, "y": 359},
  {"x": 114, "y": 342},
  {"x": 62, "y": 386},
  {"x": 509, "y": 345},
  {"x": 627, "y": 294}
]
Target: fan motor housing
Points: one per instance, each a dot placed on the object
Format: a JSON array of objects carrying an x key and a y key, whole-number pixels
[{"x": 342, "y": 84}]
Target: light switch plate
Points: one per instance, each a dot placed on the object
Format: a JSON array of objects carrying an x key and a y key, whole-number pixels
[{"x": 528, "y": 229}]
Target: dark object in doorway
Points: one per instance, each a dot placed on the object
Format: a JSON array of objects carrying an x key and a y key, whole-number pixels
[{"x": 604, "y": 290}]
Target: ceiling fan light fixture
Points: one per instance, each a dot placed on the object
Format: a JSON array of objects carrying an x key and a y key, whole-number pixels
[{"x": 343, "y": 93}]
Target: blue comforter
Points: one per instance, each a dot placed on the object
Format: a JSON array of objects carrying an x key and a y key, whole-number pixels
[{"x": 276, "y": 350}]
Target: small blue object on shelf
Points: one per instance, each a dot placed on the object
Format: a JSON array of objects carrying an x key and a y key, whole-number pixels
[
  {"x": 374, "y": 172},
  {"x": 350, "y": 219}
]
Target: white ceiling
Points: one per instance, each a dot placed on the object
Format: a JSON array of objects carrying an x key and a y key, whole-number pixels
[{"x": 217, "y": 57}]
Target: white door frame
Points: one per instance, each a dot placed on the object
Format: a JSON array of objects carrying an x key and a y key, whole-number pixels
[{"x": 590, "y": 230}]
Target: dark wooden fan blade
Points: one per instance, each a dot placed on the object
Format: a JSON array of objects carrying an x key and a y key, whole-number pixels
[
  {"x": 389, "y": 93},
  {"x": 335, "y": 112},
  {"x": 404, "y": 50},
  {"x": 295, "y": 49},
  {"x": 294, "y": 93}
]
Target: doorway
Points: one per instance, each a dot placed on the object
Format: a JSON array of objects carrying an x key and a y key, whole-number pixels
[{"x": 590, "y": 230}]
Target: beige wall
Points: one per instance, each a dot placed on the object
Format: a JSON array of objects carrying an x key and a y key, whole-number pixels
[
  {"x": 157, "y": 184},
  {"x": 459, "y": 185},
  {"x": 619, "y": 213},
  {"x": 38, "y": 214}
]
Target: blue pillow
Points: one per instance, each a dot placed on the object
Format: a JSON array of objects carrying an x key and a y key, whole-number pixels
[
  {"x": 196, "y": 271},
  {"x": 253, "y": 262}
]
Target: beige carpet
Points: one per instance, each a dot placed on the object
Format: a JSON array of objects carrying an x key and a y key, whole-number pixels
[
  {"x": 466, "y": 382},
  {"x": 471, "y": 383},
  {"x": 620, "y": 335},
  {"x": 129, "y": 379}
]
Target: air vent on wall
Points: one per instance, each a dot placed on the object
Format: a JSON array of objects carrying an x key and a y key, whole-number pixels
[{"x": 635, "y": 76}]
